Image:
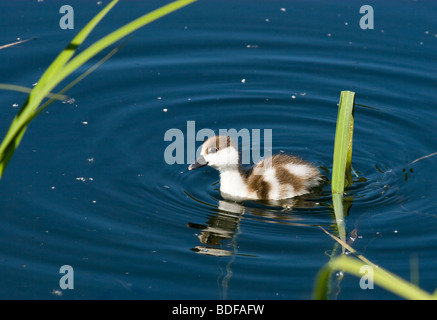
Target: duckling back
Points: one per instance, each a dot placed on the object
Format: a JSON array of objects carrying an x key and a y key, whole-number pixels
[{"x": 281, "y": 177}]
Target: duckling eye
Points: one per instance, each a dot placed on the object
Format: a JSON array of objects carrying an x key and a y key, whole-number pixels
[{"x": 212, "y": 150}]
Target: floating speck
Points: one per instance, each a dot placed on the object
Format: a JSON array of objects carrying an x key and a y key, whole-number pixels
[
  {"x": 165, "y": 109},
  {"x": 186, "y": 27},
  {"x": 55, "y": 292},
  {"x": 243, "y": 80},
  {"x": 159, "y": 98},
  {"x": 293, "y": 97},
  {"x": 83, "y": 179},
  {"x": 69, "y": 101},
  {"x": 283, "y": 9},
  {"x": 84, "y": 122},
  {"x": 90, "y": 160},
  {"x": 267, "y": 20},
  {"x": 15, "y": 105},
  {"x": 167, "y": 187},
  {"x": 53, "y": 187},
  {"x": 395, "y": 231},
  {"x": 329, "y": 34},
  {"x": 94, "y": 201},
  {"x": 99, "y": 3},
  {"x": 346, "y": 23}
]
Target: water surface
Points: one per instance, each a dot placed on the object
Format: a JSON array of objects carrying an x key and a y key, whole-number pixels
[{"x": 89, "y": 186}]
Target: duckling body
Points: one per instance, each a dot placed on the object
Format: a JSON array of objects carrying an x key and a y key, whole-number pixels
[{"x": 274, "y": 178}]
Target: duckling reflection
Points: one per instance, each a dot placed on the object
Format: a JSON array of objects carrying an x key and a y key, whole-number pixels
[{"x": 222, "y": 225}]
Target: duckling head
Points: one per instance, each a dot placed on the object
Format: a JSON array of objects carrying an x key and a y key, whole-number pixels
[{"x": 219, "y": 152}]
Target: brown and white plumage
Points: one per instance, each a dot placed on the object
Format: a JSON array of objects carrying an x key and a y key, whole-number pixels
[{"x": 278, "y": 177}]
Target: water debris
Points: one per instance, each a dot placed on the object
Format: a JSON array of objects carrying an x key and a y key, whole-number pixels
[
  {"x": 15, "y": 43},
  {"x": 57, "y": 292},
  {"x": 83, "y": 179},
  {"x": 69, "y": 101},
  {"x": 243, "y": 80},
  {"x": 424, "y": 157}
]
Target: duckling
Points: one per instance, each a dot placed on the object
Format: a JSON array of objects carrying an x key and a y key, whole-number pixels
[{"x": 274, "y": 178}]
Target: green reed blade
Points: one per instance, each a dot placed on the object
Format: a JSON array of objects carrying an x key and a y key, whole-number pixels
[
  {"x": 342, "y": 160},
  {"x": 343, "y": 143},
  {"x": 381, "y": 277},
  {"x": 13, "y": 87}
]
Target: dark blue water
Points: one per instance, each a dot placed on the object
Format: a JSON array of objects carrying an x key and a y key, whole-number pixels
[{"x": 89, "y": 186}]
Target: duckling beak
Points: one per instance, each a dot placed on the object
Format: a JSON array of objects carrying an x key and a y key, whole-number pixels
[{"x": 200, "y": 162}]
